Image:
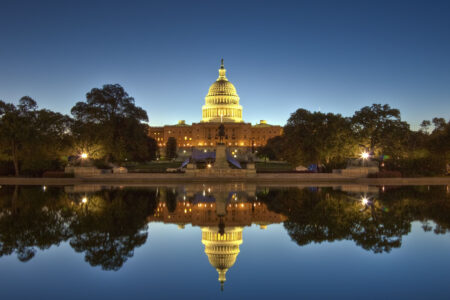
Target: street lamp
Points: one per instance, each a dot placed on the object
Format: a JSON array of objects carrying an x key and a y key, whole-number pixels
[
  {"x": 364, "y": 155},
  {"x": 364, "y": 201},
  {"x": 84, "y": 155}
]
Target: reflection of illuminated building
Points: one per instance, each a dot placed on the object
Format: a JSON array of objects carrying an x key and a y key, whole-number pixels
[{"x": 221, "y": 214}]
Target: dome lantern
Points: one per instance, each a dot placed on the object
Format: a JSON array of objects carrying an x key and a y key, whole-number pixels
[{"x": 222, "y": 71}]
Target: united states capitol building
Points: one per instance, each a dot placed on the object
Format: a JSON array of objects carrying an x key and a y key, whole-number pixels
[{"x": 221, "y": 106}]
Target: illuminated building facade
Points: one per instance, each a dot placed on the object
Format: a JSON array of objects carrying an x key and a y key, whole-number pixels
[{"x": 221, "y": 106}]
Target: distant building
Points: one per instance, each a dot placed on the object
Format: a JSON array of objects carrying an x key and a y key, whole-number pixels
[{"x": 221, "y": 106}]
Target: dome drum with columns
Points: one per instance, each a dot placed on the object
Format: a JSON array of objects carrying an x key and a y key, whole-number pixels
[{"x": 221, "y": 106}]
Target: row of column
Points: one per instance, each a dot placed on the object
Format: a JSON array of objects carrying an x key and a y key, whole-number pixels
[{"x": 217, "y": 112}]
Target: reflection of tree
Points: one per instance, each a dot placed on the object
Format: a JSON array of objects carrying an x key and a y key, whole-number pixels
[
  {"x": 111, "y": 224},
  {"x": 107, "y": 227},
  {"x": 380, "y": 230},
  {"x": 30, "y": 220},
  {"x": 171, "y": 200},
  {"x": 423, "y": 203},
  {"x": 329, "y": 215}
]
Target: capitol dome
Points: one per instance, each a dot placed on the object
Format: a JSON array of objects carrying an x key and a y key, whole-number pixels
[
  {"x": 222, "y": 101},
  {"x": 222, "y": 87}
]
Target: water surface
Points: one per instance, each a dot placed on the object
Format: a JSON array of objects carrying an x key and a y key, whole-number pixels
[{"x": 224, "y": 241}]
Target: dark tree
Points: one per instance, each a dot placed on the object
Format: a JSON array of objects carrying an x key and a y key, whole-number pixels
[
  {"x": 171, "y": 148},
  {"x": 317, "y": 138},
  {"x": 381, "y": 129},
  {"x": 171, "y": 200},
  {"x": 274, "y": 149},
  {"x": 112, "y": 113},
  {"x": 17, "y": 128},
  {"x": 439, "y": 140},
  {"x": 31, "y": 136},
  {"x": 152, "y": 148}
]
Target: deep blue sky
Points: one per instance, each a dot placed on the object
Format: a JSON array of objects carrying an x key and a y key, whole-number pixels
[{"x": 332, "y": 56}]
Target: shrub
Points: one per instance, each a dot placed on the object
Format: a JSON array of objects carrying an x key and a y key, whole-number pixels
[
  {"x": 385, "y": 174},
  {"x": 101, "y": 164},
  {"x": 416, "y": 167},
  {"x": 6, "y": 168},
  {"x": 37, "y": 167},
  {"x": 57, "y": 174},
  {"x": 335, "y": 164}
]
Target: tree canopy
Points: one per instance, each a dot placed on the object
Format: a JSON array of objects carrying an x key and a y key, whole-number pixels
[
  {"x": 110, "y": 124},
  {"x": 29, "y": 136},
  {"x": 380, "y": 128},
  {"x": 315, "y": 137}
]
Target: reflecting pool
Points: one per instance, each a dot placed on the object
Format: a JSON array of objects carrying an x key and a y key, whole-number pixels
[{"x": 236, "y": 240}]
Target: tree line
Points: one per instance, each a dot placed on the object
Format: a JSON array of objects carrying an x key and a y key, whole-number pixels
[
  {"x": 108, "y": 127},
  {"x": 328, "y": 140}
]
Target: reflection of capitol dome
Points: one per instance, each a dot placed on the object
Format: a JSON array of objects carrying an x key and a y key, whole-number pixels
[
  {"x": 222, "y": 101},
  {"x": 222, "y": 250}
]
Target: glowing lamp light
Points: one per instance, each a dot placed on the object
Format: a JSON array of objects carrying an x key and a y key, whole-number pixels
[
  {"x": 364, "y": 155},
  {"x": 209, "y": 166},
  {"x": 84, "y": 155},
  {"x": 84, "y": 200},
  {"x": 364, "y": 201}
]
